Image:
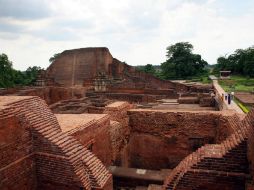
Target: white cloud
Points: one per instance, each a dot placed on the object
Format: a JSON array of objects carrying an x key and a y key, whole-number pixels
[{"x": 137, "y": 32}]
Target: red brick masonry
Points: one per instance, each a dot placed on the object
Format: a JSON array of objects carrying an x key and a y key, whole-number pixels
[
  {"x": 36, "y": 153},
  {"x": 218, "y": 166}
]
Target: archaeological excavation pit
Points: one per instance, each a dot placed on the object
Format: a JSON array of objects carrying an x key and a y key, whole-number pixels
[{"x": 98, "y": 123}]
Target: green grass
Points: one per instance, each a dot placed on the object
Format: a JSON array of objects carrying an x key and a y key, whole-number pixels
[
  {"x": 238, "y": 84},
  {"x": 245, "y": 109},
  {"x": 202, "y": 79},
  {"x": 243, "y": 106}
]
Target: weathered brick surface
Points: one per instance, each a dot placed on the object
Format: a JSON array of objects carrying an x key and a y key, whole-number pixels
[
  {"x": 79, "y": 67},
  {"x": 96, "y": 135},
  {"x": 73, "y": 67},
  {"x": 214, "y": 166},
  {"x": 212, "y": 180},
  {"x": 119, "y": 129},
  {"x": 51, "y": 94},
  {"x": 58, "y": 157},
  {"x": 249, "y": 121},
  {"x": 17, "y": 166},
  {"x": 118, "y": 112},
  {"x": 161, "y": 139},
  {"x": 135, "y": 79},
  {"x": 117, "y": 137},
  {"x": 19, "y": 175}
]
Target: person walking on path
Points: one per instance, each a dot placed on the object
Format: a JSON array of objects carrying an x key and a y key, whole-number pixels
[
  {"x": 229, "y": 99},
  {"x": 232, "y": 95}
]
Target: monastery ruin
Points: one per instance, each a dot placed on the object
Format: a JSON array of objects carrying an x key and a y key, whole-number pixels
[{"x": 94, "y": 122}]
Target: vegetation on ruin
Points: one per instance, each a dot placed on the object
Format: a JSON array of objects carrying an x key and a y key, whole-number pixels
[
  {"x": 10, "y": 77},
  {"x": 241, "y": 62},
  {"x": 54, "y": 57}
]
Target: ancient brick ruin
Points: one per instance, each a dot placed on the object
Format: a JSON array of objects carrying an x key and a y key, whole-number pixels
[{"x": 97, "y": 123}]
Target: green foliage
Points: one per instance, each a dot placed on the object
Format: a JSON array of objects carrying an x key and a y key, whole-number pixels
[
  {"x": 238, "y": 83},
  {"x": 10, "y": 77},
  {"x": 54, "y": 57},
  {"x": 240, "y": 62},
  {"x": 6, "y": 71},
  {"x": 31, "y": 74},
  {"x": 149, "y": 68},
  {"x": 181, "y": 63}
]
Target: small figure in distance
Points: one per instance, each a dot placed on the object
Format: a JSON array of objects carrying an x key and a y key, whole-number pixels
[
  {"x": 229, "y": 98},
  {"x": 232, "y": 95},
  {"x": 222, "y": 97}
]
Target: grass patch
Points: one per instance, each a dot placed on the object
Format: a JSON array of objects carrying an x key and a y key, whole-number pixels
[
  {"x": 202, "y": 79},
  {"x": 245, "y": 110},
  {"x": 243, "y": 107},
  {"x": 238, "y": 84}
]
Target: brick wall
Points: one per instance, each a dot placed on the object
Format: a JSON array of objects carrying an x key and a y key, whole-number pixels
[
  {"x": 72, "y": 67},
  {"x": 119, "y": 130},
  {"x": 51, "y": 94},
  {"x": 161, "y": 139},
  {"x": 119, "y": 112},
  {"x": 96, "y": 136},
  {"x": 223, "y": 166},
  {"x": 129, "y": 97},
  {"x": 58, "y": 157},
  {"x": 118, "y": 136},
  {"x": 249, "y": 121},
  {"x": 17, "y": 166},
  {"x": 137, "y": 79}
]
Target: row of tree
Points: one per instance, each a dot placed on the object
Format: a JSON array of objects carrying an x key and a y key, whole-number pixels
[
  {"x": 241, "y": 62},
  {"x": 182, "y": 63},
  {"x": 10, "y": 77}
]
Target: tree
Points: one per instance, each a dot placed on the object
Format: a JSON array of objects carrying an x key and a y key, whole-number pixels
[
  {"x": 10, "y": 77},
  {"x": 240, "y": 62},
  {"x": 31, "y": 74},
  {"x": 181, "y": 62},
  {"x": 6, "y": 71},
  {"x": 54, "y": 57},
  {"x": 149, "y": 68}
]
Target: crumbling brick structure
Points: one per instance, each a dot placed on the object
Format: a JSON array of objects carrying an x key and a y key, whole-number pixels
[
  {"x": 200, "y": 149},
  {"x": 218, "y": 166},
  {"x": 204, "y": 150},
  {"x": 80, "y": 67},
  {"x": 171, "y": 136},
  {"x": 119, "y": 130},
  {"x": 51, "y": 94},
  {"x": 35, "y": 153}
]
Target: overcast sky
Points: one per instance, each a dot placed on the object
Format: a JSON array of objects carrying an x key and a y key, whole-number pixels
[{"x": 135, "y": 31}]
